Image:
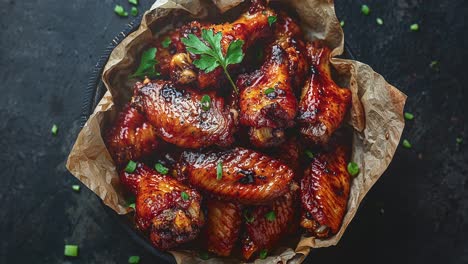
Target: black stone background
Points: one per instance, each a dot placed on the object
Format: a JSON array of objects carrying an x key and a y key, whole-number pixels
[{"x": 416, "y": 213}]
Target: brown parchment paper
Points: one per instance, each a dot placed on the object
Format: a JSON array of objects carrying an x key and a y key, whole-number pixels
[{"x": 376, "y": 114}]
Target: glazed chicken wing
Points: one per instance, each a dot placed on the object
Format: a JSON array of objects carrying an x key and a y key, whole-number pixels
[
  {"x": 185, "y": 117},
  {"x": 131, "y": 137},
  {"x": 131, "y": 180},
  {"x": 323, "y": 104},
  {"x": 222, "y": 226},
  {"x": 238, "y": 174},
  {"x": 325, "y": 191},
  {"x": 266, "y": 224},
  {"x": 168, "y": 210}
]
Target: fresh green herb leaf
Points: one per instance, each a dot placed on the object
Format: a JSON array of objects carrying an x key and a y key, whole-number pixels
[
  {"x": 211, "y": 55},
  {"x": 205, "y": 102},
  {"x": 184, "y": 196},
  {"x": 134, "y": 11},
  {"x": 270, "y": 216},
  {"x": 271, "y": 20},
  {"x": 379, "y": 21},
  {"x": 131, "y": 166},
  {"x": 406, "y": 144},
  {"x": 409, "y": 116},
  {"x": 161, "y": 168},
  {"x": 71, "y": 251},
  {"x": 166, "y": 42},
  {"x": 146, "y": 67},
  {"x": 132, "y": 205},
  {"x": 249, "y": 218},
  {"x": 219, "y": 171},
  {"x": 414, "y": 27},
  {"x": 76, "y": 188},
  {"x": 134, "y": 259},
  {"x": 353, "y": 169},
  {"x": 365, "y": 9},
  {"x": 119, "y": 10},
  {"x": 263, "y": 254},
  {"x": 309, "y": 154},
  {"x": 203, "y": 255},
  {"x": 459, "y": 140},
  {"x": 342, "y": 23},
  {"x": 133, "y": 2},
  {"x": 54, "y": 129}
]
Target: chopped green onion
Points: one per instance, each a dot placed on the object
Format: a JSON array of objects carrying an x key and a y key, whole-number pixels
[
  {"x": 134, "y": 11},
  {"x": 342, "y": 23},
  {"x": 203, "y": 255},
  {"x": 71, "y": 251},
  {"x": 263, "y": 254},
  {"x": 379, "y": 21},
  {"x": 459, "y": 140},
  {"x": 131, "y": 166},
  {"x": 309, "y": 154},
  {"x": 132, "y": 205},
  {"x": 133, "y": 2},
  {"x": 119, "y": 10},
  {"x": 409, "y": 116},
  {"x": 414, "y": 27},
  {"x": 161, "y": 168},
  {"x": 184, "y": 196},
  {"x": 206, "y": 102},
  {"x": 353, "y": 169},
  {"x": 365, "y": 10},
  {"x": 434, "y": 64},
  {"x": 219, "y": 171},
  {"x": 406, "y": 144},
  {"x": 76, "y": 188},
  {"x": 54, "y": 129},
  {"x": 271, "y": 20},
  {"x": 269, "y": 91},
  {"x": 134, "y": 259},
  {"x": 248, "y": 217},
  {"x": 166, "y": 42},
  {"x": 270, "y": 216}
]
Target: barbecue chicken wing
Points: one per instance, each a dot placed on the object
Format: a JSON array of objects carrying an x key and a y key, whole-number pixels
[
  {"x": 182, "y": 118},
  {"x": 323, "y": 104},
  {"x": 222, "y": 226},
  {"x": 325, "y": 191},
  {"x": 265, "y": 225},
  {"x": 168, "y": 210},
  {"x": 132, "y": 180},
  {"x": 238, "y": 174},
  {"x": 131, "y": 137}
]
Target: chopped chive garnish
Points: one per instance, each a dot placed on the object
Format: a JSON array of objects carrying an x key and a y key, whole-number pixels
[
  {"x": 263, "y": 254},
  {"x": 206, "y": 102},
  {"x": 434, "y": 64},
  {"x": 219, "y": 171},
  {"x": 270, "y": 216},
  {"x": 309, "y": 154},
  {"x": 365, "y": 10},
  {"x": 271, "y": 20},
  {"x": 132, "y": 205},
  {"x": 342, "y": 23},
  {"x": 161, "y": 168},
  {"x": 166, "y": 42},
  {"x": 379, "y": 21},
  {"x": 248, "y": 217},
  {"x": 406, "y": 144},
  {"x": 184, "y": 196},
  {"x": 459, "y": 140},
  {"x": 133, "y": 2},
  {"x": 269, "y": 90},
  {"x": 131, "y": 166},
  {"x": 134, "y": 259},
  {"x": 134, "y": 11},
  {"x": 71, "y": 251},
  {"x": 414, "y": 27},
  {"x": 76, "y": 188},
  {"x": 203, "y": 255},
  {"x": 54, "y": 129},
  {"x": 119, "y": 10},
  {"x": 353, "y": 169},
  {"x": 409, "y": 116}
]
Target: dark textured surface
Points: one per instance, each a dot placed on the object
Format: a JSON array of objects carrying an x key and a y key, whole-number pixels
[{"x": 416, "y": 213}]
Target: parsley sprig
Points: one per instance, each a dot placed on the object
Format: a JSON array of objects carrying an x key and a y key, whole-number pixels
[
  {"x": 211, "y": 55},
  {"x": 146, "y": 67}
]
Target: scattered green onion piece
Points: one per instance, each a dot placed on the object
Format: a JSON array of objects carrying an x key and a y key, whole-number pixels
[
  {"x": 459, "y": 140},
  {"x": 206, "y": 102},
  {"x": 263, "y": 254},
  {"x": 248, "y": 218},
  {"x": 76, "y": 188},
  {"x": 271, "y": 20},
  {"x": 134, "y": 11},
  {"x": 409, "y": 116},
  {"x": 203, "y": 255},
  {"x": 365, "y": 10},
  {"x": 270, "y": 216},
  {"x": 54, "y": 129},
  {"x": 309, "y": 154},
  {"x": 132, "y": 205},
  {"x": 379, "y": 21},
  {"x": 119, "y": 10},
  {"x": 71, "y": 251},
  {"x": 414, "y": 27},
  {"x": 219, "y": 171},
  {"x": 184, "y": 196},
  {"x": 353, "y": 169},
  {"x": 134, "y": 259},
  {"x": 434, "y": 64},
  {"x": 131, "y": 167},
  {"x": 342, "y": 23},
  {"x": 161, "y": 168},
  {"x": 166, "y": 42},
  {"x": 133, "y": 2},
  {"x": 406, "y": 144},
  {"x": 269, "y": 90}
]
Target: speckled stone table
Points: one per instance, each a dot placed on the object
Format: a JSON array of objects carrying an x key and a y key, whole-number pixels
[{"x": 416, "y": 213}]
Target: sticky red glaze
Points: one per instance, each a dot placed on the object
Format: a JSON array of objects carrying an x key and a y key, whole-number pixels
[{"x": 131, "y": 180}]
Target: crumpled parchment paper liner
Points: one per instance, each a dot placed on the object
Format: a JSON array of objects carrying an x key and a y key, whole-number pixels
[{"x": 376, "y": 114}]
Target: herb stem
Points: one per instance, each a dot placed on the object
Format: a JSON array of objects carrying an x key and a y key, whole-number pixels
[{"x": 230, "y": 80}]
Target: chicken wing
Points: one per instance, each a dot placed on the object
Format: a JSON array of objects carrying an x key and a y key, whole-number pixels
[
  {"x": 325, "y": 191},
  {"x": 323, "y": 104},
  {"x": 265, "y": 225},
  {"x": 131, "y": 137},
  {"x": 222, "y": 226},
  {"x": 183, "y": 116},
  {"x": 169, "y": 210},
  {"x": 238, "y": 174},
  {"x": 131, "y": 180}
]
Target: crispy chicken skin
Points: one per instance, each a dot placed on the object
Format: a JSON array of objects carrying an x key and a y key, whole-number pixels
[
  {"x": 131, "y": 137},
  {"x": 247, "y": 176},
  {"x": 131, "y": 180},
  {"x": 263, "y": 232},
  {"x": 325, "y": 191},
  {"x": 168, "y": 210},
  {"x": 179, "y": 118},
  {"x": 323, "y": 104},
  {"x": 222, "y": 226}
]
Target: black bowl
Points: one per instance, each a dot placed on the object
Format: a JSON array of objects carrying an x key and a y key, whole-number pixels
[{"x": 94, "y": 92}]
